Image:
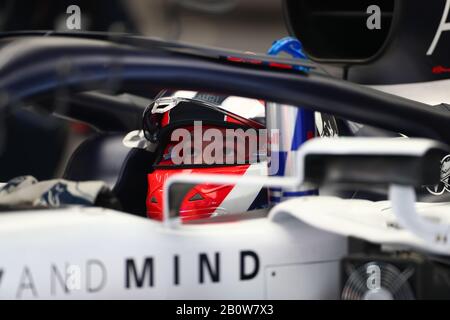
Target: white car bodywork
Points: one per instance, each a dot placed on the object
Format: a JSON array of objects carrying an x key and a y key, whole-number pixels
[
  {"x": 96, "y": 253},
  {"x": 363, "y": 219}
]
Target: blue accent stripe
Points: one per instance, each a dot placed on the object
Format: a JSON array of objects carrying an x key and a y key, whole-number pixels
[
  {"x": 275, "y": 199},
  {"x": 300, "y": 193},
  {"x": 303, "y": 123},
  {"x": 298, "y": 137}
]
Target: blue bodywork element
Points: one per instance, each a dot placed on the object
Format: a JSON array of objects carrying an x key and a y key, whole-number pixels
[
  {"x": 304, "y": 122},
  {"x": 291, "y": 46}
]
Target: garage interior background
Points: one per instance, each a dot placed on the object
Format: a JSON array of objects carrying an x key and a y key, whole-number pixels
[{"x": 248, "y": 25}]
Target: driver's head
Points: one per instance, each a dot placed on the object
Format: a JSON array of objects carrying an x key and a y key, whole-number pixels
[{"x": 197, "y": 133}]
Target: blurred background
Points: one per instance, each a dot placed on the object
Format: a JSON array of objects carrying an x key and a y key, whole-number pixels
[
  {"x": 39, "y": 145},
  {"x": 238, "y": 24}
]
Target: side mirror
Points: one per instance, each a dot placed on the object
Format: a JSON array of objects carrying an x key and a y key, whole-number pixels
[
  {"x": 373, "y": 161},
  {"x": 399, "y": 163}
]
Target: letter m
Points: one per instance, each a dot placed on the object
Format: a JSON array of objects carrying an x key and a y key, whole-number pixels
[{"x": 132, "y": 274}]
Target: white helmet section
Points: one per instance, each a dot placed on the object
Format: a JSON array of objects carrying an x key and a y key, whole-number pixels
[{"x": 244, "y": 107}]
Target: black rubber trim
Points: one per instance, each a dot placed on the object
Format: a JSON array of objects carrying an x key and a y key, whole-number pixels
[{"x": 95, "y": 63}]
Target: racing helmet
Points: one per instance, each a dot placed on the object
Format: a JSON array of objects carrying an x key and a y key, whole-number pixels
[{"x": 203, "y": 133}]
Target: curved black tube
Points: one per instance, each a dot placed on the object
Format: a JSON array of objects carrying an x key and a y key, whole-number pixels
[{"x": 40, "y": 65}]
